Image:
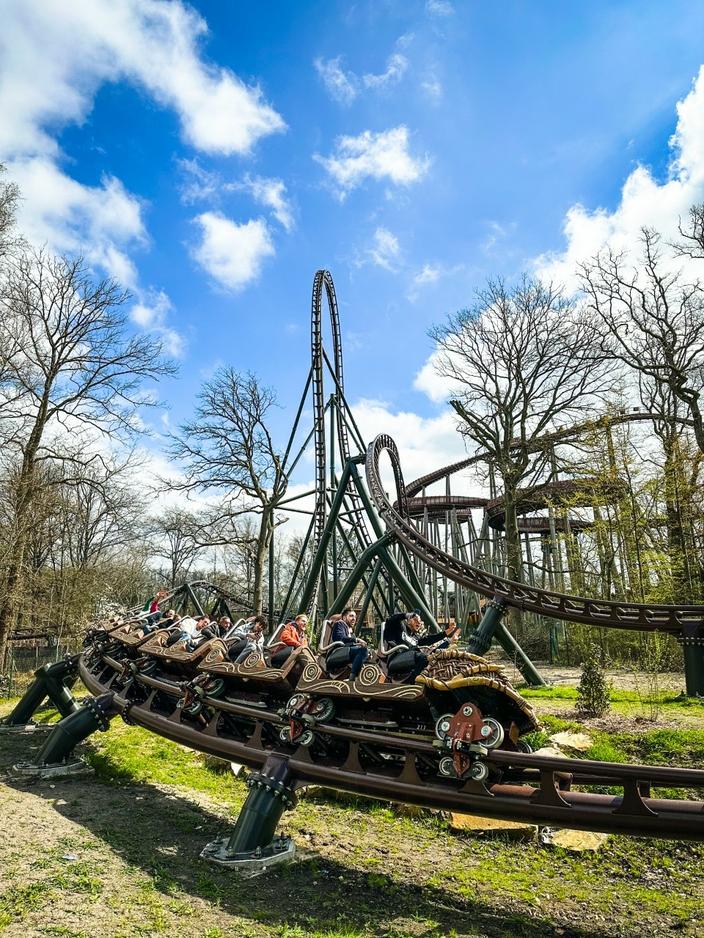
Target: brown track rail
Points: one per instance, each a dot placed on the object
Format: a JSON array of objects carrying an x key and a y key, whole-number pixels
[
  {"x": 549, "y": 800},
  {"x": 600, "y": 612}
]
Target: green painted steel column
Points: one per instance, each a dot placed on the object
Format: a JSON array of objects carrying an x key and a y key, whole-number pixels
[
  {"x": 94, "y": 714},
  {"x": 53, "y": 681},
  {"x": 692, "y": 642},
  {"x": 319, "y": 558},
  {"x": 480, "y": 640},
  {"x": 270, "y": 794}
]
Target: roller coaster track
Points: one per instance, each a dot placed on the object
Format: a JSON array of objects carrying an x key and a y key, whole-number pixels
[
  {"x": 561, "y": 435},
  {"x": 536, "y": 788},
  {"x": 323, "y": 283},
  {"x": 604, "y": 613}
]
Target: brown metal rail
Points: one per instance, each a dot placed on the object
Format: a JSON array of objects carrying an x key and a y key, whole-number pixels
[
  {"x": 601, "y": 612},
  {"x": 557, "y": 436},
  {"x": 550, "y": 801}
]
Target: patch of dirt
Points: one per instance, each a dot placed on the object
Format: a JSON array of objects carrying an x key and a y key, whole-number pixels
[
  {"x": 87, "y": 858},
  {"x": 620, "y": 678}
]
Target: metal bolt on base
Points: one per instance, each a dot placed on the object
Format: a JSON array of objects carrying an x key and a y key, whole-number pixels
[
  {"x": 55, "y": 770},
  {"x": 252, "y": 862}
]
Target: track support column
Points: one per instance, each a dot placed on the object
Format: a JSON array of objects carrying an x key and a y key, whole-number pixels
[
  {"x": 52, "y": 761},
  {"x": 53, "y": 681},
  {"x": 252, "y": 846},
  {"x": 692, "y": 642},
  {"x": 480, "y": 640}
]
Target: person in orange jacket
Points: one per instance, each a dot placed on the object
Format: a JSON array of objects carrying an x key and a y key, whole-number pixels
[{"x": 293, "y": 635}]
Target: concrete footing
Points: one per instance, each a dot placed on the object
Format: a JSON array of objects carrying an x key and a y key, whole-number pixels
[
  {"x": 57, "y": 770},
  {"x": 251, "y": 863}
]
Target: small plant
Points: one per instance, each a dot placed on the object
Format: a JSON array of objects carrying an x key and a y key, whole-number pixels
[{"x": 593, "y": 690}]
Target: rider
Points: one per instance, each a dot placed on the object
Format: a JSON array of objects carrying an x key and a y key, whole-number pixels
[
  {"x": 245, "y": 638},
  {"x": 402, "y": 629},
  {"x": 354, "y": 652},
  {"x": 293, "y": 635}
]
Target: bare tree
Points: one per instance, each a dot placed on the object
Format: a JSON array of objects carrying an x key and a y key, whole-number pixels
[
  {"x": 102, "y": 511},
  {"x": 652, "y": 321},
  {"x": 520, "y": 359},
  {"x": 175, "y": 539},
  {"x": 9, "y": 198},
  {"x": 228, "y": 447},
  {"x": 75, "y": 379}
]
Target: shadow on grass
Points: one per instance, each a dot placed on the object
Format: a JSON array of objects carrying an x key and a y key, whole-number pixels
[{"x": 162, "y": 834}]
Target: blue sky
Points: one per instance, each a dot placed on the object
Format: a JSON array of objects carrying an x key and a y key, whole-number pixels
[{"x": 164, "y": 140}]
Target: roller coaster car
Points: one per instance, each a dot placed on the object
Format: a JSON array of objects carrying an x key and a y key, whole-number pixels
[
  {"x": 462, "y": 701},
  {"x": 256, "y": 670},
  {"x": 177, "y": 656},
  {"x": 132, "y": 632}
]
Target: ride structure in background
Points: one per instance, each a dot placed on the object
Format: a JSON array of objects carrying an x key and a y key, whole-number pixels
[{"x": 452, "y": 737}]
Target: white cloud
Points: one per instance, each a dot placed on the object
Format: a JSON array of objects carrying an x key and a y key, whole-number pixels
[
  {"x": 342, "y": 86},
  {"x": 439, "y": 7},
  {"x": 204, "y": 185},
  {"x": 644, "y": 200},
  {"x": 383, "y": 156},
  {"x": 431, "y": 87},
  {"x": 150, "y": 313},
  {"x": 424, "y": 442},
  {"x": 55, "y": 56},
  {"x": 497, "y": 234},
  {"x": 272, "y": 194},
  {"x": 385, "y": 250},
  {"x": 198, "y": 183},
  {"x": 429, "y": 273},
  {"x": 430, "y": 382},
  {"x": 100, "y": 222},
  {"x": 396, "y": 68},
  {"x": 231, "y": 253}
]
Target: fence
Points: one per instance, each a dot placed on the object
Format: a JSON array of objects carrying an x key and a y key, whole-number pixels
[{"x": 24, "y": 661}]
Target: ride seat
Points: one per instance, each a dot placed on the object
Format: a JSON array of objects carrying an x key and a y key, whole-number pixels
[
  {"x": 383, "y": 651},
  {"x": 274, "y": 645},
  {"x": 325, "y": 645},
  {"x": 232, "y": 631}
]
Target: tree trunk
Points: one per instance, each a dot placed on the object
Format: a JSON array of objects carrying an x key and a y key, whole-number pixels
[
  {"x": 15, "y": 560},
  {"x": 676, "y": 542},
  {"x": 260, "y": 559},
  {"x": 514, "y": 553}
]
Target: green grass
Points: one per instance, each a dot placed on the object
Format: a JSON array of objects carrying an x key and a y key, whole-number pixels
[{"x": 131, "y": 754}]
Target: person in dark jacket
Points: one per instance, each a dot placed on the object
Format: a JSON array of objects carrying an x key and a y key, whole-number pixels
[
  {"x": 401, "y": 629},
  {"x": 354, "y": 650}
]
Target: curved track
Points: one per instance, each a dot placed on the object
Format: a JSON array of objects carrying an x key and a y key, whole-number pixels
[
  {"x": 323, "y": 284},
  {"x": 605, "y": 613},
  {"x": 561, "y": 435},
  {"x": 244, "y": 727}
]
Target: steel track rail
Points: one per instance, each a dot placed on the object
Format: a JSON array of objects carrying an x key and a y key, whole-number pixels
[
  {"x": 323, "y": 283},
  {"x": 605, "y": 613},
  {"x": 550, "y": 801},
  {"x": 558, "y": 436}
]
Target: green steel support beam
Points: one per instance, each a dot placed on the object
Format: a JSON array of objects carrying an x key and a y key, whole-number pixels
[
  {"x": 319, "y": 558},
  {"x": 356, "y": 574},
  {"x": 523, "y": 662},
  {"x": 693, "y": 650},
  {"x": 414, "y": 598},
  {"x": 371, "y": 586},
  {"x": 53, "y": 681},
  {"x": 94, "y": 714},
  {"x": 253, "y": 846},
  {"x": 480, "y": 640}
]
